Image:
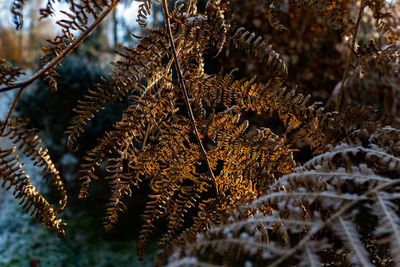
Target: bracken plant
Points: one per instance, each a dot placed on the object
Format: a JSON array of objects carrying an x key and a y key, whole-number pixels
[{"x": 242, "y": 168}]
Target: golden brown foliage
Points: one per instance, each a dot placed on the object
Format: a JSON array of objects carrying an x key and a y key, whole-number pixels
[
  {"x": 218, "y": 148},
  {"x": 13, "y": 176}
]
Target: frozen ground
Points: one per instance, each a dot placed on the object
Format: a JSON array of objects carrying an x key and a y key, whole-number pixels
[{"x": 5, "y": 102}]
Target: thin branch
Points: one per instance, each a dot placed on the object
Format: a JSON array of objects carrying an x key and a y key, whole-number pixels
[
  {"x": 63, "y": 54},
  {"x": 10, "y": 110},
  {"x": 184, "y": 91},
  {"x": 349, "y": 57}
]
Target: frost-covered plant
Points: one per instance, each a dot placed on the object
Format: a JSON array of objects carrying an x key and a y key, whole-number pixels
[{"x": 347, "y": 197}]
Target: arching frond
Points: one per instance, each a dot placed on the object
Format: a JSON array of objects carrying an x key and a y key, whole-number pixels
[{"x": 13, "y": 175}]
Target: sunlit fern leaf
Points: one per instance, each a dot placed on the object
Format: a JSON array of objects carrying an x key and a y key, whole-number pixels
[
  {"x": 120, "y": 187},
  {"x": 172, "y": 158},
  {"x": 166, "y": 188},
  {"x": 187, "y": 199},
  {"x": 124, "y": 134},
  {"x": 320, "y": 196},
  {"x": 312, "y": 122},
  {"x": 143, "y": 61},
  {"x": 30, "y": 145},
  {"x": 14, "y": 176},
  {"x": 135, "y": 64}
]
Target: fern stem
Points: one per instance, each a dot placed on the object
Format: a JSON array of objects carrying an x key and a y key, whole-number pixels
[
  {"x": 349, "y": 57},
  {"x": 185, "y": 93},
  {"x": 66, "y": 52},
  {"x": 11, "y": 110}
]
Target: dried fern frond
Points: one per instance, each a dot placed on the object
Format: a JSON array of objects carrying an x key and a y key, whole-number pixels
[
  {"x": 142, "y": 62},
  {"x": 16, "y": 10},
  {"x": 143, "y": 12},
  {"x": 79, "y": 16},
  {"x": 259, "y": 48},
  {"x": 320, "y": 203},
  {"x": 314, "y": 125},
  {"x": 29, "y": 144},
  {"x": 8, "y": 74},
  {"x": 48, "y": 10},
  {"x": 119, "y": 188},
  {"x": 12, "y": 173},
  {"x": 136, "y": 63},
  {"x": 155, "y": 138},
  {"x": 78, "y": 19},
  {"x": 156, "y": 141}
]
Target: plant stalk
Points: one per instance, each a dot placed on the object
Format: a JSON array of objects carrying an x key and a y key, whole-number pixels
[
  {"x": 349, "y": 57},
  {"x": 185, "y": 93}
]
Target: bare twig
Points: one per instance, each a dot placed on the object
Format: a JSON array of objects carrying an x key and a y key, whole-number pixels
[
  {"x": 10, "y": 110},
  {"x": 185, "y": 94},
  {"x": 64, "y": 53},
  {"x": 349, "y": 57}
]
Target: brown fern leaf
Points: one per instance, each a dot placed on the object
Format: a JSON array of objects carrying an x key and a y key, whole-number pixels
[
  {"x": 259, "y": 48},
  {"x": 129, "y": 129},
  {"x": 11, "y": 172},
  {"x": 179, "y": 170},
  {"x": 119, "y": 188},
  {"x": 30, "y": 145},
  {"x": 313, "y": 123},
  {"x": 186, "y": 200},
  {"x": 143, "y": 12},
  {"x": 8, "y": 74},
  {"x": 78, "y": 18},
  {"x": 16, "y": 10},
  {"x": 171, "y": 160},
  {"x": 314, "y": 208},
  {"x": 155, "y": 138},
  {"x": 249, "y": 162},
  {"x": 143, "y": 61},
  {"x": 136, "y": 63}
]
